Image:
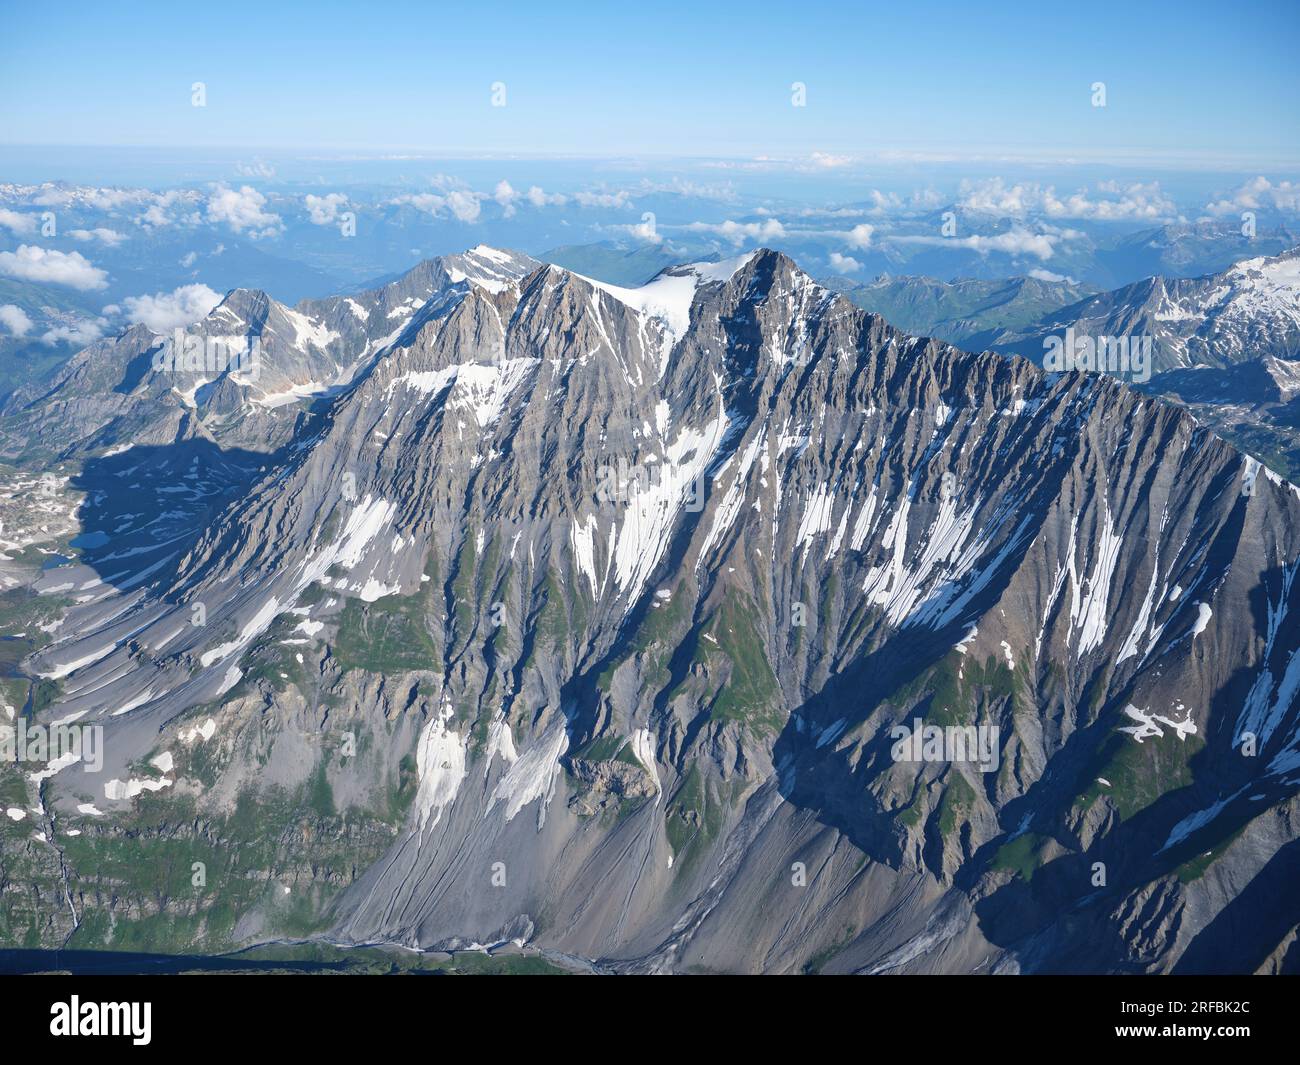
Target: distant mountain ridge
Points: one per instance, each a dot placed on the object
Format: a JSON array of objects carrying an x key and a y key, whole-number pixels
[
  {"x": 1226, "y": 345},
  {"x": 970, "y": 313},
  {"x": 104, "y": 395},
  {"x": 1249, "y": 311}
]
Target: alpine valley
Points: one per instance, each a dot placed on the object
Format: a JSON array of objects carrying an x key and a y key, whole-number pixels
[{"x": 499, "y": 607}]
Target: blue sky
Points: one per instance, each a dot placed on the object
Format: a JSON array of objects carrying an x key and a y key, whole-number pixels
[{"x": 1187, "y": 84}]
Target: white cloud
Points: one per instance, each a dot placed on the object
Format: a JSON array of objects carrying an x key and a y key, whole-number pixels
[
  {"x": 1137, "y": 201},
  {"x": 1047, "y": 275},
  {"x": 159, "y": 212},
  {"x": 32, "y": 263},
  {"x": 798, "y": 163},
  {"x": 879, "y": 203},
  {"x": 739, "y": 232},
  {"x": 859, "y": 236},
  {"x": 505, "y": 195},
  {"x": 464, "y": 205},
  {"x": 1146, "y": 202},
  {"x": 995, "y": 197},
  {"x": 538, "y": 198},
  {"x": 324, "y": 210},
  {"x": 1014, "y": 242},
  {"x": 460, "y": 203},
  {"x": 164, "y": 311},
  {"x": 826, "y": 161},
  {"x": 17, "y": 222},
  {"x": 51, "y": 197},
  {"x": 646, "y": 231},
  {"x": 421, "y": 201},
  {"x": 258, "y": 168},
  {"x": 1259, "y": 193},
  {"x": 603, "y": 199},
  {"x": 844, "y": 264},
  {"x": 679, "y": 187},
  {"x": 926, "y": 199},
  {"x": 114, "y": 199},
  {"x": 189, "y": 259},
  {"x": 243, "y": 210},
  {"x": 79, "y": 334},
  {"x": 15, "y": 320},
  {"x": 111, "y": 237},
  {"x": 155, "y": 217},
  {"x": 158, "y": 208}
]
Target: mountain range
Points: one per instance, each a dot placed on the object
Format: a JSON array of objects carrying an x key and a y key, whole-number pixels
[
  {"x": 1225, "y": 345},
  {"x": 709, "y": 624}
]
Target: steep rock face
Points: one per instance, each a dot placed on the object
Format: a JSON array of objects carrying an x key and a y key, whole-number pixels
[
  {"x": 659, "y": 570},
  {"x": 96, "y": 400}
]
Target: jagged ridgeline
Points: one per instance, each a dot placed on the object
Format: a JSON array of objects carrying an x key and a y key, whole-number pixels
[{"x": 707, "y": 625}]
